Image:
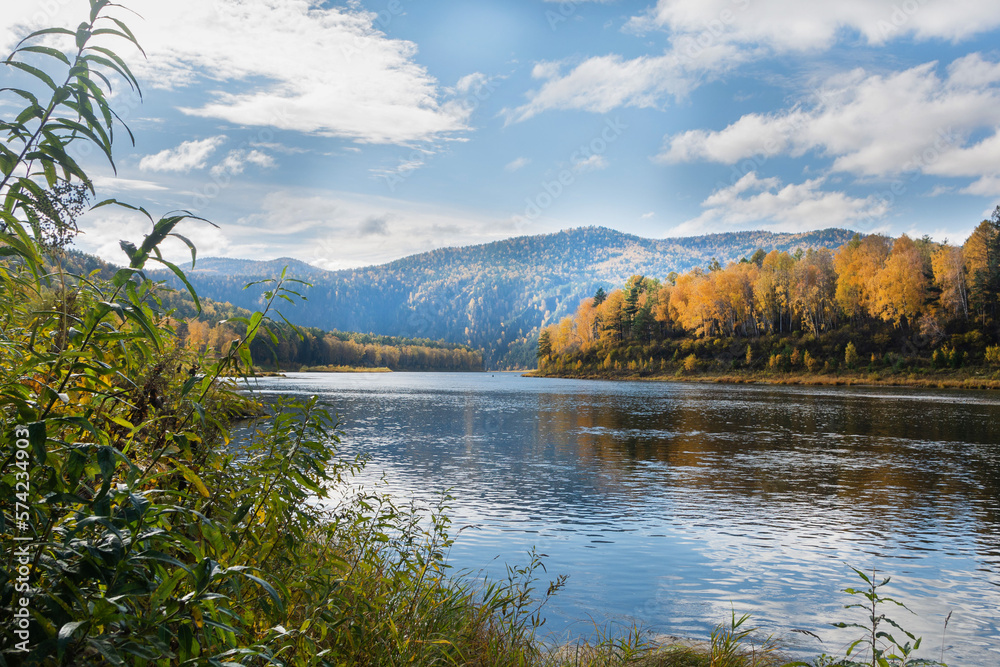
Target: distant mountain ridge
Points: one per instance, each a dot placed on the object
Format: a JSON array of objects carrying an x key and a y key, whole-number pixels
[{"x": 493, "y": 296}]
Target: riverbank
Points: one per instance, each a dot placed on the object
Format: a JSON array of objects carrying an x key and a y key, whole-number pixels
[
  {"x": 978, "y": 378},
  {"x": 344, "y": 369}
]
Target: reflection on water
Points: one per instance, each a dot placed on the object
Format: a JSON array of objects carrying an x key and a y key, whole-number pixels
[{"x": 670, "y": 504}]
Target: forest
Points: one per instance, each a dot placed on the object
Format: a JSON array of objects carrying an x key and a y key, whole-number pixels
[
  {"x": 875, "y": 303},
  {"x": 306, "y": 348},
  {"x": 493, "y": 297},
  {"x": 211, "y": 327}
]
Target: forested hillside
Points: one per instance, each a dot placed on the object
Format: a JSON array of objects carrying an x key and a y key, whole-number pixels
[
  {"x": 875, "y": 304},
  {"x": 496, "y": 296},
  {"x": 211, "y": 330}
]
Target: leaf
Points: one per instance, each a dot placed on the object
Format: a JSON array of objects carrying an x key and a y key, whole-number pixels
[
  {"x": 36, "y": 436},
  {"x": 106, "y": 462},
  {"x": 244, "y": 353},
  {"x": 180, "y": 274},
  {"x": 268, "y": 588},
  {"x": 66, "y": 635},
  {"x": 35, "y": 72},
  {"x": 55, "y": 53},
  {"x": 190, "y": 476},
  {"x": 167, "y": 586}
]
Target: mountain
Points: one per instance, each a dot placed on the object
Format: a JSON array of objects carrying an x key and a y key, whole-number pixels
[{"x": 493, "y": 296}]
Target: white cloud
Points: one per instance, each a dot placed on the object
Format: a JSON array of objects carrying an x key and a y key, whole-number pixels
[
  {"x": 326, "y": 229},
  {"x": 808, "y": 26},
  {"x": 985, "y": 186},
  {"x": 471, "y": 83},
  {"x": 711, "y": 37},
  {"x": 515, "y": 165},
  {"x": 592, "y": 163},
  {"x": 874, "y": 125},
  {"x": 336, "y": 231},
  {"x": 236, "y": 162},
  {"x": 189, "y": 155},
  {"x": 767, "y": 203},
  {"x": 603, "y": 83},
  {"x": 116, "y": 184},
  {"x": 288, "y": 64}
]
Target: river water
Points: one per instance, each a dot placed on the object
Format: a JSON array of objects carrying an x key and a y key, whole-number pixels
[{"x": 673, "y": 504}]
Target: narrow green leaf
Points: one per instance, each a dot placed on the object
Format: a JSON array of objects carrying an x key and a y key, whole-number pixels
[
  {"x": 48, "y": 51},
  {"x": 35, "y": 72},
  {"x": 37, "y": 438}
]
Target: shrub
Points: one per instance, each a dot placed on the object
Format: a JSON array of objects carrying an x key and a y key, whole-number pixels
[
  {"x": 691, "y": 363},
  {"x": 851, "y": 356},
  {"x": 810, "y": 362},
  {"x": 993, "y": 355}
]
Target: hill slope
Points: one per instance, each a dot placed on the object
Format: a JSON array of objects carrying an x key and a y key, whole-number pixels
[{"x": 493, "y": 296}]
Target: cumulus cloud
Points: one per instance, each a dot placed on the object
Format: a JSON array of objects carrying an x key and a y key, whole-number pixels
[
  {"x": 767, "y": 203},
  {"x": 603, "y": 83},
  {"x": 288, "y": 64},
  {"x": 874, "y": 124},
  {"x": 712, "y": 37},
  {"x": 237, "y": 161},
  {"x": 185, "y": 157},
  {"x": 807, "y": 26}
]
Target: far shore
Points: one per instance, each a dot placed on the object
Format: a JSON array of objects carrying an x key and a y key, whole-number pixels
[
  {"x": 344, "y": 369},
  {"x": 977, "y": 379}
]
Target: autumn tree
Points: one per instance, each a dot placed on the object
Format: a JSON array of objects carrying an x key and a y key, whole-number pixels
[
  {"x": 815, "y": 289},
  {"x": 857, "y": 264},
  {"x": 948, "y": 267},
  {"x": 900, "y": 286},
  {"x": 982, "y": 265},
  {"x": 773, "y": 290},
  {"x": 544, "y": 345}
]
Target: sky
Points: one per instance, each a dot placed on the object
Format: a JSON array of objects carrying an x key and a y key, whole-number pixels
[{"x": 348, "y": 134}]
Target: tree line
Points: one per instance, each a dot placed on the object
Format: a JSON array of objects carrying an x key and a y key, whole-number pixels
[
  {"x": 894, "y": 300},
  {"x": 304, "y": 348}
]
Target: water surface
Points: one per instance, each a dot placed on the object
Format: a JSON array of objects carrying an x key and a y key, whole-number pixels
[{"x": 670, "y": 504}]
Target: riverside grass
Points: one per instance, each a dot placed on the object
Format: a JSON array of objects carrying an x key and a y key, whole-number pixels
[{"x": 152, "y": 535}]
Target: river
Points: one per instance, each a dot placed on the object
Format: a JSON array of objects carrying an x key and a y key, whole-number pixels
[{"x": 672, "y": 504}]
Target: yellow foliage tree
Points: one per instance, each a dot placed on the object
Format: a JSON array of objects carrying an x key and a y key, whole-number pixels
[{"x": 900, "y": 287}]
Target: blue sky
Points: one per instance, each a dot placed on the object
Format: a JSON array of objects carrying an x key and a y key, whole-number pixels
[{"x": 347, "y": 134}]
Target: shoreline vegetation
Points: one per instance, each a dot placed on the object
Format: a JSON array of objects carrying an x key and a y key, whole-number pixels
[
  {"x": 140, "y": 530},
  {"x": 983, "y": 380},
  {"x": 876, "y": 311},
  {"x": 344, "y": 369}
]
